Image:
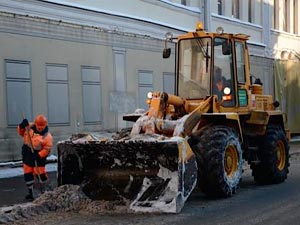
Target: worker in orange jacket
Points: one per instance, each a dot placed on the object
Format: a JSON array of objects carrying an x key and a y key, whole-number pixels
[{"x": 34, "y": 158}]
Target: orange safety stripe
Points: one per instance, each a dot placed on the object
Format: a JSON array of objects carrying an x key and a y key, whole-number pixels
[{"x": 29, "y": 169}]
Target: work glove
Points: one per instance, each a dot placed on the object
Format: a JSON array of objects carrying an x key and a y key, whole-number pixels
[
  {"x": 24, "y": 123},
  {"x": 35, "y": 155}
]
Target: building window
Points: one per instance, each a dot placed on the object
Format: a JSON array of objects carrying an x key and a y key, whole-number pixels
[
  {"x": 285, "y": 15},
  {"x": 281, "y": 15},
  {"x": 183, "y": 2},
  {"x": 145, "y": 86},
  {"x": 220, "y": 7},
  {"x": 296, "y": 17},
  {"x": 91, "y": 94},
  {"x": 18, "y": 91},
  {"x": 235, "y": 9},
  {"x": 250, "y": 11},
  {"x": 58, "y": 94},
  {"x": 275, "y": 14}
]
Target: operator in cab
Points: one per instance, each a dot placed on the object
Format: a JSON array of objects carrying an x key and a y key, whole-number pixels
[{"x": 218, "y": 83}]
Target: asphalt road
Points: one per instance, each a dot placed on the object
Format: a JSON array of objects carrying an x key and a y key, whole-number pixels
[
  {"x": 13, "y": 190},
  {"x": 253, "y": 204}
]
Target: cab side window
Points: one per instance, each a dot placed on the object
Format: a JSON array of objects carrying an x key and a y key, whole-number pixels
[{"x": 240, "y": 62}]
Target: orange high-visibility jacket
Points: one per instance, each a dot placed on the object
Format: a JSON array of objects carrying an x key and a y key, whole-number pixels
[{"x": 41, "y": 143}]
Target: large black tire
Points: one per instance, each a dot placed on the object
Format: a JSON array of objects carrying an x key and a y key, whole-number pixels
[
  {"x": 273, "y": 154},
  {"x": 219, "y": 159}
]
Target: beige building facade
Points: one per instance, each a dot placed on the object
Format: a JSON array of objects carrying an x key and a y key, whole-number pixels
[{"x": 85, "y": 63}]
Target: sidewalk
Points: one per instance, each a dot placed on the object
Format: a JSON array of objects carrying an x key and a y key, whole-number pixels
[{"x": 14, "y": 169}]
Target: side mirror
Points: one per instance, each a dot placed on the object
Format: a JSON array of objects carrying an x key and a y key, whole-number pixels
[
  {"x": 166, "y": 53},
  {"x": 258, "y": 81},
  {"x": 276, "y": 104}
]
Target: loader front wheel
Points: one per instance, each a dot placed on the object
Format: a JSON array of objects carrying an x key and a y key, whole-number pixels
[
  {"x": 273, "y": 154},
  {"x": 220, "y": 162}
]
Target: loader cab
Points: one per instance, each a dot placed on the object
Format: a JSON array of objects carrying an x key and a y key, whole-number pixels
[
  {"x": 205, "y": 68},
  {"x": 213, "y": 64}
]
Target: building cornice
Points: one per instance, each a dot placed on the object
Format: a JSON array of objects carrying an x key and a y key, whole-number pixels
[
  {"x": 59, "y": 30},
  {"x": 92, "y": 17},
  {"x": 237, "y": 21}
]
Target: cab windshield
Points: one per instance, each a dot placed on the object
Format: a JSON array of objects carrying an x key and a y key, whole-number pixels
[{"x": 194, "y": 67}]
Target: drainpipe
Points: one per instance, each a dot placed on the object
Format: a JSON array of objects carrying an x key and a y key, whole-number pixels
[{"x": 207, "y": 15}]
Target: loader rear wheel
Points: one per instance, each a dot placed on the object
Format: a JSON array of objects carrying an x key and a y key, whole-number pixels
[
  {"x": 273, "y": 154},
  {"x": 219, "y": 158}
]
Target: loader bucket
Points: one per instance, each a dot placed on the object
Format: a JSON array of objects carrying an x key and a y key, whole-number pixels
[{"x": 155, "y": 176}]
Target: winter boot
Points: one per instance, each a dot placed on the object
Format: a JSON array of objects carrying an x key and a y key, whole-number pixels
[{"x": 30, "y": 195}]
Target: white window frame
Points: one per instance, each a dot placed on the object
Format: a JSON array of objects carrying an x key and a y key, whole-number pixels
[
  {"x": 61, "y": 81},
  {"x": 96, "y": 98},
  {"x": 18, "y": 91}
]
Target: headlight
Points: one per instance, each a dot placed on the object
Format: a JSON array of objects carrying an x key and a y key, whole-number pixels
[
  {"x": 150, "y": 95},
  {"x": 227, "y": 90}
]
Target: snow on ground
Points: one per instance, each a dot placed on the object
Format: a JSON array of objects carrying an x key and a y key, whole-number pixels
[{"x": 14, "y": 169}]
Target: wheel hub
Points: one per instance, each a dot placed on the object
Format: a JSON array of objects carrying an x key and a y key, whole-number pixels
[
  {"x": 231, "y": 160},
  {"x": 280, "y": 151}
]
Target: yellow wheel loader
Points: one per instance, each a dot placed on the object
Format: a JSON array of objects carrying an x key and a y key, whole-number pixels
[{"x": 199, "y": 136}]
